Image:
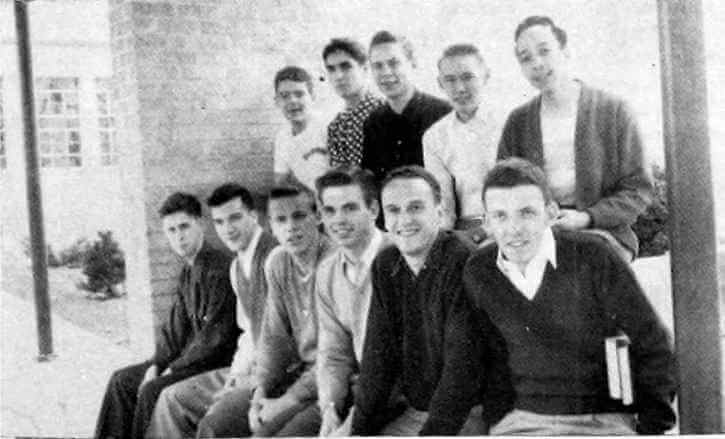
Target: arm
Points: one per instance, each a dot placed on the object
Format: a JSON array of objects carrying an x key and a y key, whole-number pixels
[
  {"x": 434, "y": 163},
  {"x": 173, "y": 332},
  {"x": 213, "y": 344},
  {"x": 652, "y": 360},
  {"x": 632, "y": 192},
  {"x": 368, "y": 151},
  {"x": 381, "y": 360},
  {"x": 508, "y": 141}
]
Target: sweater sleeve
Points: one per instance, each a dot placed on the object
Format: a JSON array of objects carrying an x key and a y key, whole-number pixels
[
  {"x": 632, "y": 192},
  {"x": 507, "y": 143},
  {"x": 381, "y": 363},
  {"x": 653, "y": 363},
  {"x": 213, "y": 344}
]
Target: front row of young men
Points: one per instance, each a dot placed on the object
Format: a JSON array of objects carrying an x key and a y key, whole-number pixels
[{"x": 403, "y": 333}]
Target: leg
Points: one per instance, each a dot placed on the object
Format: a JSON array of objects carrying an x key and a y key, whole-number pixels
[
  {"x": 408, "y": 424},
  {"x": 305, "y": 422},
  {"x": 181, "y": 406},
  {"x": 521, "y": 422},
  {"x": 475, "y": 425},
  {"x": 228, "y": 416},
  {"x": 119, "y": 402},
  {"x": 147, "y": 396}
]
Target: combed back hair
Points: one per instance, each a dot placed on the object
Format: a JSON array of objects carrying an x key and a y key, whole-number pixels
[
  {"x": 410, "y": 172},
  {"x": 347, "y": 175},
  {"x": 513, "y": 172},
  {"x": 293, "y": 73},
  {"x": 461, "y": 49},
  {"x": 384, "y": 37},
  {"x": 228, "y": 192},
  {"x": 291, "y": 191},
  {"x": 351, "y": 47},
  {"x": 541, "y": 20},
  {"x": 181, "y": 202}
]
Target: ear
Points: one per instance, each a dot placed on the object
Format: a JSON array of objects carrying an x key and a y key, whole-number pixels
[
  {"x": 375, "y": 208},
  {"x": 254, "y": 215},
  {"x": 552, "y": 210},
  {"x": 440, "y": 82}
]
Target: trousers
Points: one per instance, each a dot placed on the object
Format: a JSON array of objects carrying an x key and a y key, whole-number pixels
[
  {"x": 126, "y": 409},
  {"x": 522, "y": 422}
]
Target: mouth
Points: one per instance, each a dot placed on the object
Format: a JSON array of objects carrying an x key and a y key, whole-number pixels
[
  {"x": 518, "y": 244},
  {"x": 294, "y": 241},
  {"x": 342, "y": 231},
  {"x": 295, "y": 111},
  {"x": 407, "y": 233}
]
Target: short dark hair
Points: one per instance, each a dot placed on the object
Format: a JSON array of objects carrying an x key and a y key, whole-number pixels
[
  {"x": 347, "y": 45},
  {"x": 514, "y": 172},
  {"x": 385, "y": 37},
  {"x": 293, "y": 73},
  {"x": 463, "y": 49},
  {"x": 541, "y": 20},
  {"x": 414, "y": 171},
  {"x": 229, "y": 191},
  {"x": 347, "y": 175},
  {"x": 290, "y": 191},
  {"x": 181, "y": 202}
]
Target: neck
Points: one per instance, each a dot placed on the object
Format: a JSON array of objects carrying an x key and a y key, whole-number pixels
[
  {"x": 416, "y": 261},
  {"x": 399, "y": 103},
  {"x": 563, "y": 96},
  {"x": 353, "y": 99},
  {"x": 298, "y": 126},
  {"x": 306, "y": 259},
  {"x": 356, "y": 251},
  {"x": 190, "y": 260},
  {"x": 464, "y": 116}
]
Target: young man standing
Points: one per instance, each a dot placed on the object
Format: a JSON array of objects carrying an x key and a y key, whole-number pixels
[
  {"x": 557, "y": 297},
  {"x": 421, "y": 334},
  {"x": 300, "y": 149},
  {"x": 197, "y": 336},
  {"x": 461, "y": 147},
  {"x": 285, "y": 400},
  {"x": 349, "y": 206},
  {"x": 207, "y": 402},
  {"x": 392, "y": 135},
  {"x": 346, "y": 65}
]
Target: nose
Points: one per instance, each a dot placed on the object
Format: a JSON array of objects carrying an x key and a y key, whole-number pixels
[{"x": 536, "y": 62}]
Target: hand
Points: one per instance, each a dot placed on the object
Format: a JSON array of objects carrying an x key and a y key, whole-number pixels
[
  {"x": 570, "y": 219},
  {"x": 272, "y": 408},
  {"x": 255, "y": 408},
  {"x": 345, "y": 430},
  {"x": 330, "y": 420},
  {"x": 151, "y": 373}
]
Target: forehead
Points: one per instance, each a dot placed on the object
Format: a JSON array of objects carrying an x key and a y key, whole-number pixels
[
  {"x": 386, "y": 51},
  {"x": 513, "y": 198},
  {"x": 339, "y": 195},
  {"x": 536, "y": 35},
  {"x": 288, "y": 85},
  {"x": 405, "y": 190},
  {"x": 177, "y": 218},
  {"x": 287, "y": 205},
  {"x": 232, "y": 206},
  {"x": 459, "y": 64},
  {"x": 339, "y": 57}
]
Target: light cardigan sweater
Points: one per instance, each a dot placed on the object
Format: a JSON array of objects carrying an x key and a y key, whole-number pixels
[{"x": 612, "y": 184}]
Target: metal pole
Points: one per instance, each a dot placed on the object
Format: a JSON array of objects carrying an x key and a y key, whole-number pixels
[
  {"x": 35, "y": 208},
  {"x": 692, "y": 218}
]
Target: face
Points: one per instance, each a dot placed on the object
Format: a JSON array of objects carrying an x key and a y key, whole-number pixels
[
  {"x": 411, "y": 215},
  {"x": 391, "y": 69},
  {"x": 234, "y": 223},
  {"x": 542, "y": 60},
  {"x": 347, "y": 218},
  {"x": 345, "y": 74},
  {"x": 294, "y": 99},
  {"x": 517, "y": 218},
  {"x": 462, "y": 78},
  {"x": 294, "y": 223},
  {"x": 184, "y": 232}
]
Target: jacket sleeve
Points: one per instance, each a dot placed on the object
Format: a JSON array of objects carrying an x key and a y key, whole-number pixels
[
  {"x": 213, "y": 344},
  {"x": 380, "y": 367},
  {"x": 632, "y": 192},
  {"x": 651, "y": 352},
  {"x": 173, "y": 333}
]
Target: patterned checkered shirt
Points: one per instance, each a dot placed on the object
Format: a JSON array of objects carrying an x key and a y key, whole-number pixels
[{"x": 345, "y": 132}]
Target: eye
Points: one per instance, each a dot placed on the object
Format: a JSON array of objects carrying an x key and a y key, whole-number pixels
[
  {"x": 467, "y": 77},
  {"x": 299, "y": 216}
]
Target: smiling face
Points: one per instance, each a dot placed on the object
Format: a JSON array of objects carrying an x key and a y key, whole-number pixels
[
  {"x": 517, "y": 218},
  {"x": 462, "y": 78},
  {"x": 345, "y": 74},
  {"x": 542, "y": 59},
  {"x": 234, "y": 223},
  {"x": 184, "y": 232},
  {"x": 412, "y": 215},
  {"x": 347, "y": 218},
  {"x": 392, "y": 70},
  {"x": 294, "y": 223},
  {"x": 294, "y": 99}
]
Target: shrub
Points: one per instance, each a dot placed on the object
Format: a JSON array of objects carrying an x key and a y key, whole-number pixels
[
  {"x": 651, "y": 226},
  {"x": 51, "y": 259},
  {"x": 103, "y": 266}
]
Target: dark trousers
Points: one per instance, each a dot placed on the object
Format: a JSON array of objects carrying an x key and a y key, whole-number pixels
[{"x": 126, "y": 409}]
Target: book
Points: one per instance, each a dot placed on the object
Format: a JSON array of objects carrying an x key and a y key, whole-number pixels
[{"x": 619, "y": 371}]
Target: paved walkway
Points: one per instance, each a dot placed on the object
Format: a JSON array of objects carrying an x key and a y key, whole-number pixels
[{"x": 60, "y": 397}]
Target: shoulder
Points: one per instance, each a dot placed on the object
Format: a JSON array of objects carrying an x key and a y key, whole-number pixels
[
  {"x": 434, "y": 105},
  {"x": 523, "y": 111},
  {"x": 211, "y": 259},
  {"x": 327, "y": 264},
  {"x": 482, "y": 259},
  {"x": 603, "y": 101},
  {"x": 387, "y": 255},
  {"x": 582, "y": 247},
  {"x": 434, "y": 134},
  {"x": 277, "y": 261}
]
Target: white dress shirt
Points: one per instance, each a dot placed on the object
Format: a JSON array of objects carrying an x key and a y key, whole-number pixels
[{"x": 529, "y": 281}]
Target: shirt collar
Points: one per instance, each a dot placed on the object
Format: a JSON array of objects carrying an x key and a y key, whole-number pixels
[
  {"x": 481, "y": 117},
  {"x": 546, "y": 253},
  {"x": 366, "y": 259}
]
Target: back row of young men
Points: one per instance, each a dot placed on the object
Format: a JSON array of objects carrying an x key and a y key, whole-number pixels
[{"x": 364, "y": 333}]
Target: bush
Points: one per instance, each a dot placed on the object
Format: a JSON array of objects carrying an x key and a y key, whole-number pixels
[
  {"x": 74, "y": 255},
  {"x": 51, "y": 259},
  {"x": 104, "y": 266},
  {"x": 651, "y": 226}
]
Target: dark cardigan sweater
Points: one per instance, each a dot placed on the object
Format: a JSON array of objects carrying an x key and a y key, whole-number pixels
[
  {"x": 555, "y": 342},
  {"x": 612, "y": 184}
]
